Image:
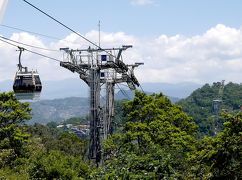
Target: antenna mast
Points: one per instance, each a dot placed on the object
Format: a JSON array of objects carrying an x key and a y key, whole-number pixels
[{"x": 99, "y": 33}]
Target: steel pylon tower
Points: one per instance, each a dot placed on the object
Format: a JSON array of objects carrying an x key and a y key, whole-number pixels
[
  {"x": 98, "y": 67},
  {"x": 217, "y": 107},
  {"x": 218, "y": 101}
]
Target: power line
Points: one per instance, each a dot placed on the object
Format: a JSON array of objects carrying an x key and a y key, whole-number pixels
[
  {"x": 31, "y": 51},
  {"x": 54, "y": 19},
  {"x": 28, "y": 44}
]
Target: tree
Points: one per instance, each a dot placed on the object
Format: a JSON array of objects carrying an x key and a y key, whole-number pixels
[
  {"x": 145, "y": 109},
  {"x": 72, "y": 145},
  {"x": 12, "y": 113},
  {"x": 52, "y": 125},
  {"x": 199, "y": 106},
  {"x": 42, "y": 153},
  {"x": 156, "y": 141},
  {"x": 55, "y": 165},
  {"x": 221, "y": 156},
  {"x": 12, "y": 139}
]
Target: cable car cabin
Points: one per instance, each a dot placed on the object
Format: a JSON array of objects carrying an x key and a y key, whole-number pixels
[{"x": 27, "y": 82}]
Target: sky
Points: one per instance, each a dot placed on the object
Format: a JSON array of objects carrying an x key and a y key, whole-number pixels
[{"x": 196, "y": 41}]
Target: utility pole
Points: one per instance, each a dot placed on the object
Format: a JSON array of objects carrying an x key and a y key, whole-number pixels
[{"x": 98, "y": 67}]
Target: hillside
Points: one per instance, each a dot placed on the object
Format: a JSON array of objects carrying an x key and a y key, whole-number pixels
[
  {"x": 57, "y": 110},
  {"x": 180, "y": 90},
  {"x": 156, "y": 140},
  {"x": 199, "y": 105}
]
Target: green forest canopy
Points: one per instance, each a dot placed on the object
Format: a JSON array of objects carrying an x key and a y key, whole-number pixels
[
  {"x": 199, "y": 106},
  {"x": 156, "y": 141}
]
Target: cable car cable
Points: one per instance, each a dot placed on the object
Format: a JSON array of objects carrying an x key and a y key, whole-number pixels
[
  {"x": 43, "y": 55},
  {"x": 31, "y": 32},
  {"x": 28, "y": 44},
  {"x": 9, "y": 43},
  {"x": 123, "y": 92},
  {"x": 141, "y": 88},
  {"x": 67, "y": 27},
  {"x": 124, "y": 85},
  {"x": 32, "y": 51},
  {"x": 35, "y": 33}
]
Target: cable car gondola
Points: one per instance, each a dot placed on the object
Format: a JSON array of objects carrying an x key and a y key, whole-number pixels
[{"x": 26, "y": 83}]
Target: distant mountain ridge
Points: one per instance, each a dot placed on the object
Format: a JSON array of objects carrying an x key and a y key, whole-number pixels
[
  {"x": 128, "y": 94},
  {"x": 179, "y": 90},
  {"x": 56, "y": 105},
  {"x": 58, "y": 110},
  {"x": 74, "y": 87}
]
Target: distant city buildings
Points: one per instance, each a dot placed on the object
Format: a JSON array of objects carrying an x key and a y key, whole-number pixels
[{"x": 80, "y": 130}]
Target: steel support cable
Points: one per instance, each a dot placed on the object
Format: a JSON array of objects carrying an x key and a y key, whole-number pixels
[
  {"x": 35, "y": 33},
  {"x": 141, "y": 88},
  {"x": 121, "y": 84},
  {"x": 67, "y": 27},
  {"x": 43, "y": 55},
  {"x": 123, "y": 92},
  {"x": 31, "y": 32},
  {"x": 28, "y": 44},
  {"x": 32, "y": 51}
]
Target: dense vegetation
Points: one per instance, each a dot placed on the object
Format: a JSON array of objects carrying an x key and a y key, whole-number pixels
[
  {"x": 28, "y": 152},
  {"x": 199, "y": 106},
  {"x": 156, "y": 140}
]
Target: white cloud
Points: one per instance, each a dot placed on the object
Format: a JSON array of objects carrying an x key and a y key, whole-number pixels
[
  {"x": 215, "y": 55},
  {"x": 142, "y": 2},
  {"x": 48, "y": 69},
  {"x": 212, "y": 56}
]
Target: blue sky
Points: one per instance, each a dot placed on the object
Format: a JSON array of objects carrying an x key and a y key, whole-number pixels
[
  {"x": 170, "y": 17},
  {"x": 178, "y": 40}
]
